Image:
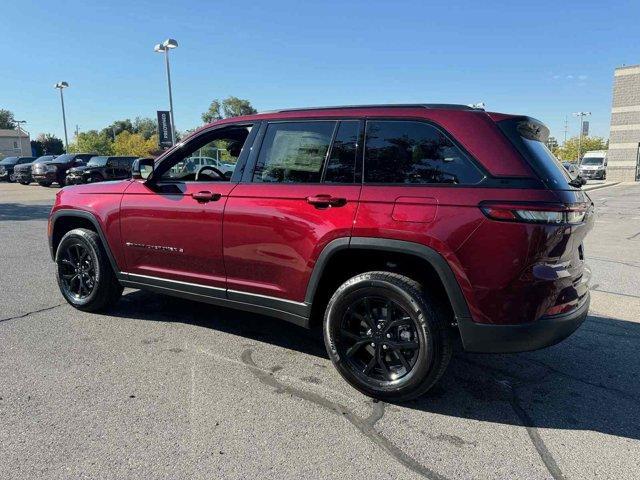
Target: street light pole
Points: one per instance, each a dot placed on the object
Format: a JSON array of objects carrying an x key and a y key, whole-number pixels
[
  {"x": 581, "y": 115},
  {"x": 60, "y": 86},
  {"x": 165, "y": 46},
  {"x": 18, "y": 122}
]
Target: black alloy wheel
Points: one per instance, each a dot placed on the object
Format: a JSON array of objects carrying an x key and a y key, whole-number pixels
[
  {"x": 387, "y": 335},
  {"x": 378, "y": 339},
  {"x": 84, "y": 272},
  {"x": 77, "y": 271}
]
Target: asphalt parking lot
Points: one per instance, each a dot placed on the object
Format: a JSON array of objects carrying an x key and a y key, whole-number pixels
[{"x": 166, "y": 388}]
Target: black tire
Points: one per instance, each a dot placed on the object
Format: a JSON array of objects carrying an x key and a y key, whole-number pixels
[
  {"x": 11, "y": 180},
  {"x": 425, "y": 325},
  {"x": 22, "y": 182},
  {"x": 44, "y": 184},
  {"x": 96, "y": 178},
  {"x": 91, "y": 269}
]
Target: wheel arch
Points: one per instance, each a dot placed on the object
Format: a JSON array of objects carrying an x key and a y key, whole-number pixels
[
  {"x": 350, "y": 247},
  {"x": 62, "y": 221}
]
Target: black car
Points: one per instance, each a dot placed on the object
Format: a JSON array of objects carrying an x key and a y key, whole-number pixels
[
  {"x": 101, "y": 168},
  {"x": 22, "y": 172},
  {"x": 55, "y": 171},
  {"x": 8, "y": 164}
]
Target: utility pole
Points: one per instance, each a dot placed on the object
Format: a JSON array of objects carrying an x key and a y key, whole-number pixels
[
  {"x": 581, "y": 115},
  {"x": 60, "y": 86}
]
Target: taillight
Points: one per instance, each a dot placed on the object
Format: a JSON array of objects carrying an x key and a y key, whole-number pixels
[{"x": 545, "y": 213}]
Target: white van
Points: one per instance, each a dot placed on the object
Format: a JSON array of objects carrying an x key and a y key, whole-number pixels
[{"x": 594, "y": 165}]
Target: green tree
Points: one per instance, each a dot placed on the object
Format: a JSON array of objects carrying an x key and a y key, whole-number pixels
[
  {"x": 51, "y": 145},
  {"x": 229, "y": 107},
  {"x": 118, "y": 127},
  {"x": 569, "y": 150},
  {"x": 147, "y": 127},
  {"x": 93, "y": 142},
  {"x": 135, "y": 144},
  {"x": 7, "y": 122}
]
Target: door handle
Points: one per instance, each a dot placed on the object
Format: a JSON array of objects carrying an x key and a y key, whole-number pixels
[
  {"x": 206, "y": 196},
  {"x": 326, "y": 201}
]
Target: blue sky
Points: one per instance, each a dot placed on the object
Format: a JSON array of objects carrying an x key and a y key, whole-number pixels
[{"x": 545, "y": 59}]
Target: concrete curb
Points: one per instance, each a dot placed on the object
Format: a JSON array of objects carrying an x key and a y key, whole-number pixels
[{"x": 602, "y": 185}]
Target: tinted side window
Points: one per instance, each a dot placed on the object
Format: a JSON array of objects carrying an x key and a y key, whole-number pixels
[
  {"x": 293, "y": 152},
  {"x": 341, "y": 164},
  {"x": 414, "y": 152}
]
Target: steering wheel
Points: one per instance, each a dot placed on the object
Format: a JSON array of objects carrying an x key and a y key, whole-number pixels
[{"x": 213, "y": 169}]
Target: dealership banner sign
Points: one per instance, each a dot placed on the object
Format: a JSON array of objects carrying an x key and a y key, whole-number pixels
[
  {"x": 585, "y": 129},
  {"x": 164, "y": 128}
]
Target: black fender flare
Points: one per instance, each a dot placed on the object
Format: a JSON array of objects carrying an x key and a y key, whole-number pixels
[
  {"x": 87, "y": 216},
  {"x": 437, "y": 261}
]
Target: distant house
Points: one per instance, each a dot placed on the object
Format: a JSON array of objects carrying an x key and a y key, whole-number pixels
[{"x": 10, "y": 144}]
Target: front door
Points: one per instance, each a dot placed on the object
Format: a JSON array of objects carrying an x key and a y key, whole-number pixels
[
  {"x": 300, "y": 191},
  {"x": 172, "y": 225}
]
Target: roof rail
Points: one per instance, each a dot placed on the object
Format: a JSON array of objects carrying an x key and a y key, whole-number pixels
[{"x": 442, "y": 106}]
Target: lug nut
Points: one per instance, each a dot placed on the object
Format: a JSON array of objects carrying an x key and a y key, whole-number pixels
[
  {"x": 379, "y": 326},
  {"x": 384, "y": 347},
  {"x": 388, "y": 335},
  {"x": 373, "y": 344}
]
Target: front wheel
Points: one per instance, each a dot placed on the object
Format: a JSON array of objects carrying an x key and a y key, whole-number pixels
[
  {"x": 22, "y": 182},
  {"x": 84, "y": 274},
  {"x": 386, "y": 336},
  {"x": 44, "y": 184}
]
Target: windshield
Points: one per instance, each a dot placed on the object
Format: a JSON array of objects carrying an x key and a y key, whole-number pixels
[
  {"x": 45, "y": 158},
  {"x": 9, "y": 161},
  {"x": 529, "y": 136},
  {"x": 97, "y": 162},
  {"x": 66, "y": 158},
  {"x": 592, "y": 161}
]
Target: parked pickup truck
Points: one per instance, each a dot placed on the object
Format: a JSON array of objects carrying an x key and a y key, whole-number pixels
[
  {"x": 396, "y": 228},
  {"x": 8, "y": 164},
  {"x": 100, "y": 168},
  {"x": 22, "y": 173},
  {"x": 56, "y": 170}
]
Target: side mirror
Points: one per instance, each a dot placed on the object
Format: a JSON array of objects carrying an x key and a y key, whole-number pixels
[{"x": 142, "y": 168}]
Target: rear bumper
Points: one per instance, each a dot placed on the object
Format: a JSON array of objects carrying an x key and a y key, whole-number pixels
[{"x": 547, "y": 331}]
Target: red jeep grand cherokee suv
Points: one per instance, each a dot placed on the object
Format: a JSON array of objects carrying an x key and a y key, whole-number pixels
[{"x": 400, "y": 226}]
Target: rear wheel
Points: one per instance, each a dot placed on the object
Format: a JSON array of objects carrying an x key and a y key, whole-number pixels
[
  {"x": 84, "y": 274},
  {"x": 386, "y": 336},
  {"x": 96, "y": 177}
]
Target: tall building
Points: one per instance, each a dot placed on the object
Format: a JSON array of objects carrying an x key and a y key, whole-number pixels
[{"x": 624, "y": 138}]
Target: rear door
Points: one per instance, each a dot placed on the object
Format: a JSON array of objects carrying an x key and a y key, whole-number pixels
[{"x": 299, "y": 191}]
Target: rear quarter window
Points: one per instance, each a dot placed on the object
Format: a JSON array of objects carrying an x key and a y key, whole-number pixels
[{"x": 413, "y": 152}]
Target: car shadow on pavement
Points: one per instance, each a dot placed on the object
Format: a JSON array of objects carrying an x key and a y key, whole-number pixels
[
  {"x": 143, "y": 305},
  {"x": 591, "y": 381},
  {"x": 588, "y": 382},
  {"x": 23, "y": 211}
]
